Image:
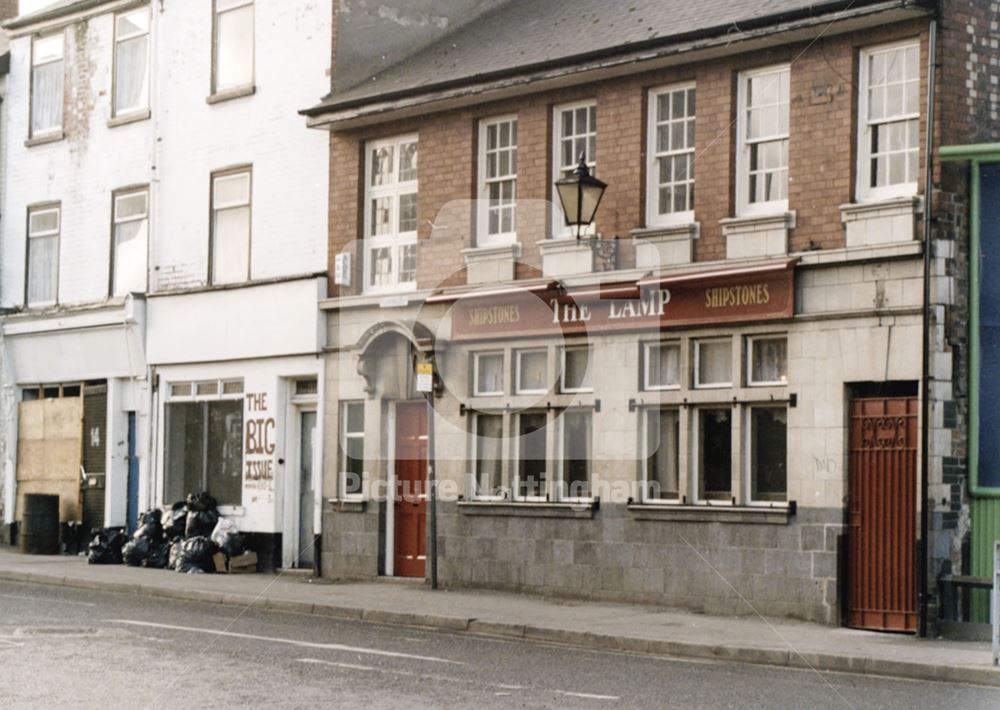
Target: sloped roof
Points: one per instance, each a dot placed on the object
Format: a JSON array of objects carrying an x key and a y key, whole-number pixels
[
  {"x": 521, "y": 35},
  {"x": 51, "y": 11}
]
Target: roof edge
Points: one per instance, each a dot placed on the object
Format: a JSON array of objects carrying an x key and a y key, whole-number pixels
[{"x": 51, "y": 14}]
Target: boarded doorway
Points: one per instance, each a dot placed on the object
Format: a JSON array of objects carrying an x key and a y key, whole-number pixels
[
  {"x": 410, "y": 517},
  {"x": 50, "y": 451},
  {"x": 882, "y": 497}
]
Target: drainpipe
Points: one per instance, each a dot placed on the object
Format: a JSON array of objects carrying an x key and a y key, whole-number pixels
[{"x": 925, "y": 377}]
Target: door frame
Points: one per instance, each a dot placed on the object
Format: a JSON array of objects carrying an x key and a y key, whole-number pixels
[
  {"x": 390, "y": 498},
  {"x": 290, "y": 510}
]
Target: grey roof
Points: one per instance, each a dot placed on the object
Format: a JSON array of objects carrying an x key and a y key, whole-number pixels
[
  {"x": 521, "y": 35},
  {"x": 51, "y": 11}
]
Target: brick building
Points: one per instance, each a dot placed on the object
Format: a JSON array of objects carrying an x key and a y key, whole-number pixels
[{"x": 719, "y": 396}]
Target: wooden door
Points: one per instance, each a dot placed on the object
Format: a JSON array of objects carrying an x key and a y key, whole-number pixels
[
  {"x": 410, "y": 519},
  {"x": 882, "y": 510}
]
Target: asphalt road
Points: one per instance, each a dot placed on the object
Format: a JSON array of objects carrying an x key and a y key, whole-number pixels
[{"x": 64, "y": 648}]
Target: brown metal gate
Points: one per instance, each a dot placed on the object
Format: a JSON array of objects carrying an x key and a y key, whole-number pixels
[{"x": 882, "y": 505}]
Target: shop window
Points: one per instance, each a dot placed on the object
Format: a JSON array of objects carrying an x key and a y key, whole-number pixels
[
  {"x": 715, "y": 454},
  {"x": 497, "y": 182},
  {"x": 713, "y": 363},
  {"x": 575, "y": 134},
  {"x": 232, "y": 387},
  {"x": 661, "y": 366},
  {"x": 131, "y": 235},
  {"x": 487, "y": 374},
  {"x": 889, "y": 136},
  {"x": 532, "y": 371},
  {"x": 576, "y": 434},
  {"x": 351, "y": 449},
  {"x": 306, "y": 388},
  {"x": 231, "y": 226},
  {"x": 670, "y": 172},
  {"x": 575, "y": 370},
  {"x": 391, "y": 214},
  {"x": 207, "y": 389},
  {"x": 661, "y": 454},
  {"x": 233, "y": 60},
  {"x": 47, "y": 67},
  {"x": 205, "y": 449},
  {"x": 488, "y": 456},
  {"x": 768, "y": 451},
  {"x": 181, "y": 389},
  {"x": 532, "y": 455},
  {"x": 43, "y": 255},
  {"x": 131, "y": 75},
  {"x": 768, "y": 361},
  {"x": 762, "y": 130}
]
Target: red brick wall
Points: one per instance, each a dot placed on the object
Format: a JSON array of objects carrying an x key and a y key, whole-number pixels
[{"x": 822, "y": 150}]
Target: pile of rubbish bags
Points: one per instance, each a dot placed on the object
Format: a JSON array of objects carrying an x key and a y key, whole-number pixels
[{"x": 184, "y": 537}]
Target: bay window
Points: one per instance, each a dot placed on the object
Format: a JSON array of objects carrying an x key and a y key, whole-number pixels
[
  {"x": 889, "y": 121},
  {"x": 497, "y": 217},
  {"x": 391, "y": 214},
  {"x": 129, "y": 241},
  {"x": 351, "y": 448},
  {"x": 233, "y": 58},
  {"x": 768, "y": 453},
  {"x": 670, "y": 151},
  {"x": 131, "y": 74},
  {"x": 575, "y": 135},
  {"x": 42, "y": 280},
  {"x": 762, "y": 131},
  {"x": 47, "y": 60},
  {"x": 231, "y": 226},
  {"x": 661, "y": 454}
]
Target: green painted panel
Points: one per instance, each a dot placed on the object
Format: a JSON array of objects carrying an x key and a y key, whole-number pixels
[{"x": 985, "y": 514}]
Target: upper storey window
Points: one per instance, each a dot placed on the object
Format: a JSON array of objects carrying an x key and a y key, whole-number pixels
[
  {"x": 575, "y": 134},
  {"x": 44, "y": 224},
  {"x": 231, "y": 219},
  {"x": 762, "y": 130},
  {"x": 391, "y": 214},
  {"x": 131, "y": 62},
  {"x": 670, "y": 172},
  {"x": 233, "y": 61},
  {"x": 47, "y": 85},
  {"x": 497, "y": 181},
  {"x": 889, "y": 121}
]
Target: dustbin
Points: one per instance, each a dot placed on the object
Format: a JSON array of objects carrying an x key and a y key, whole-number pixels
[{"x": 40, "y": 525}]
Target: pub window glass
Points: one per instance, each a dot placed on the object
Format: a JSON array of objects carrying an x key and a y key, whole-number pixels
[
  {"x": 531, "y": 372},
  {"x": 489, "y": 454},
  {"x": 769, "y": 454},
  {"x": 531, "y": 455},
  {"x": 576, "y": 454},
  {"x": 576, "y": 370},
  {"x": 769, "y": 361},
  {"x": 487, "y": 373},
  {"x": 352, "y": 448},
  {"x": 715, "y": 454},
  {"x": 713, "y": 363},
  {"x": 662, "y": 435},
  {"x": 662, "y": 366}
]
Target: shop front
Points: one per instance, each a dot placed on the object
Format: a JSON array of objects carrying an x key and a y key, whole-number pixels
[{"x": 690, "y": 438}]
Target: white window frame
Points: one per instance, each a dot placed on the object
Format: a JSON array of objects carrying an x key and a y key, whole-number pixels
[
  {"x": 865, "y": 192},
  {"x": 748, "y": 454},
  {"x": 517, "y": 371},
  {"x": 476, "y": 390},
  {"x": 57, "y": 235},
  {"x": 345, "y": 434},
  {"x": 562, "y": 483},
  {"x": 698, "y": 342},
  {"x": 115, "y": 221},
  {"x": 217, "y": 208},
  {"x": 647, "y": 348},
  {"x": 483, "y": 236},
  {"x": 752, "y": 341},
  {"x": 644, "y": 461},
  {"x": 396, "y": 241},
  {"x": 116, "y": 110},
  {"x": 474, "y": 456},
  {"x": 559, "y": 228},
  {"x": 193, "y": 396},
  {"x": 232, "y": 5},
  {"x": 589, "y": 349},
  {"x": 654, "y": 218},
  {"x": 515, "y": 435},
  {"x": 744, "y": 207},
  {"x": 57, "y": 129}
]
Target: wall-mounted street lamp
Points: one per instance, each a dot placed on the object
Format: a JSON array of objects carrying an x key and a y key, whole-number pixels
[{"x": 580, "y": 195}]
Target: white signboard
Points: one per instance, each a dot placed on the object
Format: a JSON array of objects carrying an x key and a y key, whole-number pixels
[{"x": 425, "y": 377}]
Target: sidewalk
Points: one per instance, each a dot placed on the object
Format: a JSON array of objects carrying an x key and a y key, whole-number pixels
[{"x": 642, "y": 629}]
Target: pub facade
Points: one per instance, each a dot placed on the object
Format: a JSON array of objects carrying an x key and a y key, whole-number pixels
[{"x": 713, "y": 396}]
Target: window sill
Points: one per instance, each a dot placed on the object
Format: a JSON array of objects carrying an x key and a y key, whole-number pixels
[
  {"x": 335, "y": 505},
  {"x": 127, "y": 118},
  {"x": 42, "y": 140},
  {"x": 755, "y": 236},
  {"x": 566, "y": 257},
  {"x": 888, "y": 221},
  {"x": 230, "y": 94},
  {"x": 778, "y": 515},
  {"x": 528, "y": 509},
  {"x": 491, "y": 263}
]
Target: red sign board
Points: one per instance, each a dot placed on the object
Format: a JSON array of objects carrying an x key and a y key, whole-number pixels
[{"x": 734, "y": 296}]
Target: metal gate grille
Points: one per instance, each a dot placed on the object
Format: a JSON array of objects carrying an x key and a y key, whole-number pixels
[{"x": 882, "y": 514}]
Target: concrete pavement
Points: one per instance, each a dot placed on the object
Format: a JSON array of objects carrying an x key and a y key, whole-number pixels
[{"x": 634, "y": 628}]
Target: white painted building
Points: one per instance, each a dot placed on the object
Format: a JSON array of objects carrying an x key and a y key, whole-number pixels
[{"x": 165, "y": 237}]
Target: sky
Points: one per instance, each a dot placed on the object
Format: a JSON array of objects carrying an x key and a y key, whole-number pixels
[{"x": 26, "y": 6}]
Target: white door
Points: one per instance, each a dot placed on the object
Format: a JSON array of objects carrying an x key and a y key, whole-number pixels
[{"x": 306, "y": 501}]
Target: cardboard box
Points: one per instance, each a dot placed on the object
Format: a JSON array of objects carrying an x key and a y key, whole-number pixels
[
  {"x": 219, "y": 559},
  {"x": 243, "y": 564}
]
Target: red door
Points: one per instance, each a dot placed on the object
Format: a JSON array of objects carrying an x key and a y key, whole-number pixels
[
  {"x": 882, "y": 506},
  {"x": 410, "y": 520}
]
